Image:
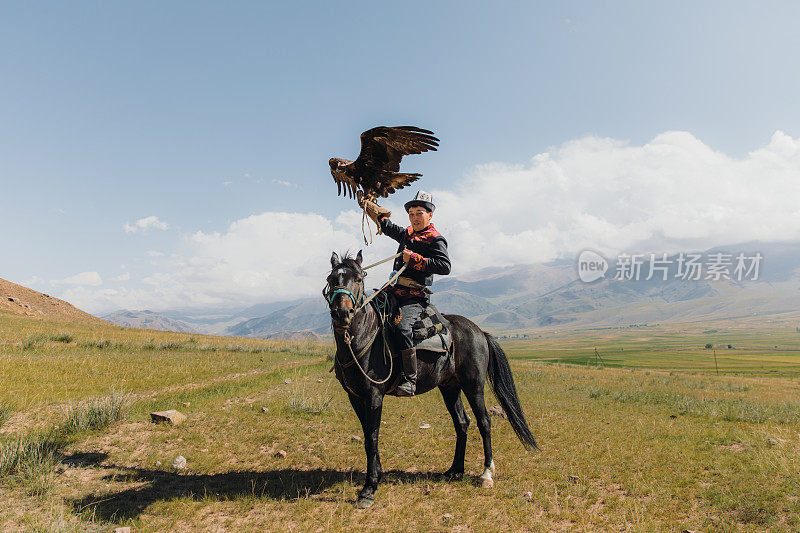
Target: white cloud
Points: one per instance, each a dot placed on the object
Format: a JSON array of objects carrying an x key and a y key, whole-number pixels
[
  {"x": 91, "y": 279},
  {"x": 145, "y": 224},
  {"x": 125, "y": 276},
  {"x": 154, "y": 253},
  {"x": 673, "y": 193},
  {"x": 612, "y": 196},
  {"x": 266, "y": 257},
  {"x": 284, "y": 183}
]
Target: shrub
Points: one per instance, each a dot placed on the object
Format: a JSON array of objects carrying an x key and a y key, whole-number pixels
[
  {"x": 34, "y": 340},
  {"x": 307, "y": 404},
  {"x": 29, "y": 454},
  {"x": 62, "y": 336},
  {"x": 98, "y": 413},
  {"x": 100, "y": 344}
]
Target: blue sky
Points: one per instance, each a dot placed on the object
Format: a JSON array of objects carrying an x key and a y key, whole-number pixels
[{"x": 204, "y": 114}]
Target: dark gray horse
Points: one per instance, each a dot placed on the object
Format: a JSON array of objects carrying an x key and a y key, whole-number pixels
[{"x": 367, "y": 372}]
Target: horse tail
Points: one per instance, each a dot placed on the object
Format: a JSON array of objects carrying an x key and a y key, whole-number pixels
[{"x": 503, "y": 385}]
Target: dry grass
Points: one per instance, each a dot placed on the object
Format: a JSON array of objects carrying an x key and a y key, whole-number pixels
[
  {"x": 5, "y": 412},
  {"x": 623, "y": 449}
]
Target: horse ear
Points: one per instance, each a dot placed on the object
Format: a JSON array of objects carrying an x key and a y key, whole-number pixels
[
  {"x": 359, "y": 258},
  {"x": 334, "y": 260}
]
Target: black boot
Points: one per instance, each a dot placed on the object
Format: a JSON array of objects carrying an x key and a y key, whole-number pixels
[{"x": 408, "y": 385}]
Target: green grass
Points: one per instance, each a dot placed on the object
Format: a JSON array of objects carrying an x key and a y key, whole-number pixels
[
  {"x": 96, "y": 414},
  {"x": 25, "y": 454},
  {"x": 34, "y": 454},
  {"x": 653, "y": 440},
  {"x": 307, "y": 403},
  {"x": 771, "y": 351}
]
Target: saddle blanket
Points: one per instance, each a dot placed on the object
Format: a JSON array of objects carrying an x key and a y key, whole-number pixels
[
  {"x": 438, "y": 343},
  {"x": 431, "y": 331}
]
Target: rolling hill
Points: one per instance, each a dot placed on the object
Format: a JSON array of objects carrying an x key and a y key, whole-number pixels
[
  {"x": 148, "y": 320},
  {"x": 19, "y": 300}
]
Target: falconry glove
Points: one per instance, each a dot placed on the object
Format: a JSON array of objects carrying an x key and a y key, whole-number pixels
[{"x": 373, "y": 210}]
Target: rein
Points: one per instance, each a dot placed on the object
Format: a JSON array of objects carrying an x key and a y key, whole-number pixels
[
  {"x": 374, "y": 294},
  {"x": 347, "y": 338}
]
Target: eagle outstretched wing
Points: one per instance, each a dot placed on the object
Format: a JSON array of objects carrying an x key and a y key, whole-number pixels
[
  {"x": 344, "y": 180},
  {"x": 377, "y": 168}
]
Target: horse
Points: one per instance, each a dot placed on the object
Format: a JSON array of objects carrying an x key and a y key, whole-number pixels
[{"x": 367, "y": 372}]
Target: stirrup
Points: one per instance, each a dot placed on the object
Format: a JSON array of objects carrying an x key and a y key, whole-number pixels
[{"x": 407, "y": 388}]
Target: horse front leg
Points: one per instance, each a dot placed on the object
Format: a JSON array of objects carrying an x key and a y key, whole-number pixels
[{"x": 370, "y": 418}]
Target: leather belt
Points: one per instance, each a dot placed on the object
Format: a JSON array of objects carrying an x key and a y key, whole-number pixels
[{"x": 411, "y": 284}]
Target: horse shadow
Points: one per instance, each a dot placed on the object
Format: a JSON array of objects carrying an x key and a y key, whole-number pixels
[{"x": 155, "y": 485}]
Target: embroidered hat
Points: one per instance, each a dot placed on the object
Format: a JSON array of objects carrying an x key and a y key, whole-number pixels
[{"x": 422, "y": 199}]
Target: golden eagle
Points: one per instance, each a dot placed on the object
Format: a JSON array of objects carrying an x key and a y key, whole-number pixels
[{"x": 376, "y": 171}]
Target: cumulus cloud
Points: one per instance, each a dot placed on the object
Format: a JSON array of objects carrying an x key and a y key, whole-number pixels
[
  {"x": 270, "y": 256},
  {"x": 612, "y": 196},
  {"x": 673, "y": 193},
  {"x": 265, "y": 257},
  {"x": 125, "y": 276},
  {"x": 91, "y": 279},
  {"x": 145, "y": 224}
]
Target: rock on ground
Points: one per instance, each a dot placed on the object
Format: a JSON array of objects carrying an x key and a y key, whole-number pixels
[{"x": 172, "y": 416}]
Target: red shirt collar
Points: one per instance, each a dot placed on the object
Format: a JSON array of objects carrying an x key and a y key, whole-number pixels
[
  {"x": 428, "y": 232},
  {"x": 429, "y": 228}
]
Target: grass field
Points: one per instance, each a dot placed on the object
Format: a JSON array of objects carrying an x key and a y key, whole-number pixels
[
  {"x": 737, "y": 350},
  {"x": 653, "y": 440}
]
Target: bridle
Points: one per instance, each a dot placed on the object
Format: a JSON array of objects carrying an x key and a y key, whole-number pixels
[
  {"x": 359, "y": 302},
  {"x": 329, "y": 293}
]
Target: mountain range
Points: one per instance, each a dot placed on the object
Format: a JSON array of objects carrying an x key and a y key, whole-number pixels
[{"x": 546, "y": 295}]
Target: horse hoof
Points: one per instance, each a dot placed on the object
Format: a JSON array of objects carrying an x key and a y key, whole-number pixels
[
  {"x": 363, "y": 503},
  {"x": 486, "y": 482}
]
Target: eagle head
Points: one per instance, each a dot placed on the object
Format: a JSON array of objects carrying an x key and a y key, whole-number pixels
[{"x": 336, "y": 164}]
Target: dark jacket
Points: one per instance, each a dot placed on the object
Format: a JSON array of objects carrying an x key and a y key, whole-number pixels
[{"x": 429, "y": 257}]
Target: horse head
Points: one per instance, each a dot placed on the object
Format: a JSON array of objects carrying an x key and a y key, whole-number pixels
[{"x": 344, "y": 291}]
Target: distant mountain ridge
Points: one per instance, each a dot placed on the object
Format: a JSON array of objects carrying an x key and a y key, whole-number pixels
[
  {"x": 148, "y": 320},
  {"x": 551, "y": 295}
]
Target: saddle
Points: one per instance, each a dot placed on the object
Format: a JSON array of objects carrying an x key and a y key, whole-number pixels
[{"x": 431, "y": 331}]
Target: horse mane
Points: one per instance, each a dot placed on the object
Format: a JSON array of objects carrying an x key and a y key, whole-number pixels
[{"x": 348, "y": 260}]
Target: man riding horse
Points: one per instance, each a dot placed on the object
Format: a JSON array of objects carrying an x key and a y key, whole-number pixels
[{"x": 424, "y": 250}]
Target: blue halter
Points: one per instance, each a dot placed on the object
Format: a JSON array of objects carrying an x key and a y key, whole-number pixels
[{"x": 343, "y": 290}]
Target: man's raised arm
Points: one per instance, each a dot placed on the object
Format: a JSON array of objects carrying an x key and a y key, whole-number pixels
[{"x": 391, "y": 229}]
